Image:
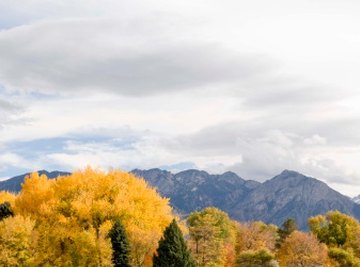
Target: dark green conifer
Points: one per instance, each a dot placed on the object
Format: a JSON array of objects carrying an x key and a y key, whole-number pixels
[
  {"x": 287, "y": 228},
  {"x": 5, "y": 210},
  {"x": 172, "y": 250},
  {"x": 120, "y": 245}
]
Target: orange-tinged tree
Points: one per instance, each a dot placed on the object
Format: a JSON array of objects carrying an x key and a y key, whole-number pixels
[
  {"x": 256, "y": 235},
  {"x": 302, "y": 249},
  {"x": 255, "y": 244}
]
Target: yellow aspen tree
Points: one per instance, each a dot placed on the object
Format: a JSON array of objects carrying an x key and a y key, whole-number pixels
[
  {"x": 7, "y": 197},
  {"x": 73, "y": 215},
  {"x": 17, "y": 241}
]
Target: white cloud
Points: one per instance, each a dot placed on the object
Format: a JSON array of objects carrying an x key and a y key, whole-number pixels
[
  {"x": 10, "y": 158},
  {"x": 254, "y": 87},
  {"x": 315, "y": 140},
  {"x": 10, "y": 113},
  {"x": 128, "y": 58}
]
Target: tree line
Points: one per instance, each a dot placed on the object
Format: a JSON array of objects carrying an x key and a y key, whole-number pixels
[{"x": 93, "y": 218}]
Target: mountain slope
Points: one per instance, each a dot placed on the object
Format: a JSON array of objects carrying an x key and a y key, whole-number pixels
[
  {"x": 291, "y": 194},
  {"x": 14, "y": 184},
  {"x": 193, "y": 189}
]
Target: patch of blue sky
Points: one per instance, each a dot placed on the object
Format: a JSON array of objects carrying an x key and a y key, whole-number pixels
[
  {"x": 35, "y": 148},
  {"x": 38, "y": 146},
  {"x": 3, "y": 90},
  {"x": 11, "y": 171},
  {"x": 123, "y": 142},
  {"x": 43, "y": 96}
]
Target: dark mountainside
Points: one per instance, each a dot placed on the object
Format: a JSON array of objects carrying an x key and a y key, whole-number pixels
[
  {"x": 294, "y": 195},
  {"x": 14, "y": 184},
  {"x": 289, "y": 194},
  {"x": 193, "y": 189}
]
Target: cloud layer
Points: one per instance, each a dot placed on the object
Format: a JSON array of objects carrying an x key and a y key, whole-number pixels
[
  {"x": 110, "y": 55},
  {"x": 179, "y": 85}
]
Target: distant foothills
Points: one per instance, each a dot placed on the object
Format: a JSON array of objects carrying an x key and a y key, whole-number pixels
[{"x": 287, "y": 195}]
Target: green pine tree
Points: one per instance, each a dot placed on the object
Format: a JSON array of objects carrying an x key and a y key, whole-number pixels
[
  {"x": 120, "y": 245},
  {"x": 172, "y": 250},
  {"x": 5, "y": 210}
]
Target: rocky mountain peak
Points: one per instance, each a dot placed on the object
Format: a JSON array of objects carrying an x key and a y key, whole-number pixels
[{"x": 230, "y": 177}]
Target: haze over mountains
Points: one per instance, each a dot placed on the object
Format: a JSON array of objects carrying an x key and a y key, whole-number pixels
[{"x": 289, "y": 194}]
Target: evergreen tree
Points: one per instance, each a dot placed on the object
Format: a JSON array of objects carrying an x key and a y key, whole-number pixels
[
  {"x": 5, "y": 210},
  {"x": 172, "y": 250},
  {"x": 287, "y": 228},
  {"x": 120, "y": 245}
]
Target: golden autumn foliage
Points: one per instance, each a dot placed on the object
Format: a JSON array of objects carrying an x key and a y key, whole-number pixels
[
  {"x": 302, "y": 249},
  {"x": 255, "y": 244},
  {"x": 7, "y": 197},
  {"x": 16, "y": 241},
  {"x": 72, "y": 215},
  {"x": 256, "y": 235}
]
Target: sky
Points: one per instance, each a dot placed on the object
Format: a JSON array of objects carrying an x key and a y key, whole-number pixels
[{"x": 253, "y": 87}]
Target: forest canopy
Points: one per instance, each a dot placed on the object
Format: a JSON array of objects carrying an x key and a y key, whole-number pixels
[{"x": 96, "y": 218}]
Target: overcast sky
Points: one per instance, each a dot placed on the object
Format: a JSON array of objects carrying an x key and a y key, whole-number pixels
[{"x": 253, "y": 87}]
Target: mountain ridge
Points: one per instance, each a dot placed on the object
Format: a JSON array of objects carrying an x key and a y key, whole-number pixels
[{"x": 289, "y": 194}]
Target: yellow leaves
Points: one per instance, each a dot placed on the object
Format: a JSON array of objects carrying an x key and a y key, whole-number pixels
[
  {"x": 73, "y": 215},
  {"x": 7, "y": 197},
  {"x": 16, "y": 241},
  {"x": 35, "y": 197}
]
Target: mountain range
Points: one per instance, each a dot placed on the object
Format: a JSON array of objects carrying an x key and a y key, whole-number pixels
[{"x": 287, "y": 195}]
